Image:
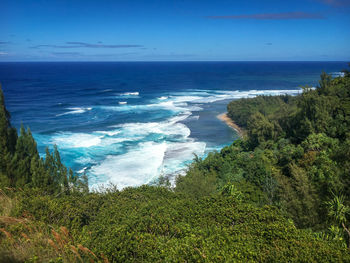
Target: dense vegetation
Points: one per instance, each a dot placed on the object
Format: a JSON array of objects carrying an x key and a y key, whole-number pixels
[
  {"x": 21, "y": 165},
  {"x": 296, "y": 157},
  {"x": 280, "y": 194}
]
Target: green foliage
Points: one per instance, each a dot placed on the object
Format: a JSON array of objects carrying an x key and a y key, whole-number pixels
[
  {"x": 338, "y": 213},
  {"x": 21, "y": 165},
  {"x": 260, "y": 129},
  {"x": 154, "y": 224},
  {"x": 265, "y": 198},
  {"x": 269, "y": 106},
  {"x": 8, "y": 137},
  {"x": 296, "y": 153},
  {"x": 196, "y": 184}
]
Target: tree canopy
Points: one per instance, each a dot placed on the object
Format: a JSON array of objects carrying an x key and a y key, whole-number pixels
[{"x": 280, "y": 194}]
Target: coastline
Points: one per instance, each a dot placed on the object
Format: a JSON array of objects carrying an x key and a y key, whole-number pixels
[{"x": 225, "y": 118}]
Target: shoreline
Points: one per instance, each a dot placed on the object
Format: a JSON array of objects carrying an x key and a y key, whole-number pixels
[{"x": 225, "y": 118}]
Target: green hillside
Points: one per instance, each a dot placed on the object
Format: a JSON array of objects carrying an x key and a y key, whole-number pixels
[{"x": 281, "y": 194}]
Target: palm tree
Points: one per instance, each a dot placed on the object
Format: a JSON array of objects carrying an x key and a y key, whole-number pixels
[{"x": 337, "y": 211}]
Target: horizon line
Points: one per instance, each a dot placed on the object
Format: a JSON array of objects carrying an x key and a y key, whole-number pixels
[{"x": 172, "y": 61}]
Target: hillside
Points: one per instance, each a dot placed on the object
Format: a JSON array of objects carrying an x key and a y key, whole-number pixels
[{"x": 280, "y": 194}]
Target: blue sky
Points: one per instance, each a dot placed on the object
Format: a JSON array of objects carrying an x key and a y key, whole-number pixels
[{"x": 174, "y": 30}]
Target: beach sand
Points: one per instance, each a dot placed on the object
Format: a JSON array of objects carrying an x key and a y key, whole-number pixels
[{"x": 223, "y": 117}]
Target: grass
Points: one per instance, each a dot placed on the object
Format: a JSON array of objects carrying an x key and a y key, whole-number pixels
[{"x": 25, "y": 240}]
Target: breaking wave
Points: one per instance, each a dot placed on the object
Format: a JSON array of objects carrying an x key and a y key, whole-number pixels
[
  {"x": 135, "y": 93},
  {"x": 136, "y": 153},
  {"x": 75, "y": 110}
]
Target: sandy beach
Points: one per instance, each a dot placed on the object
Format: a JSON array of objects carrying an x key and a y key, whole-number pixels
[{"x": 223, "y": 117}]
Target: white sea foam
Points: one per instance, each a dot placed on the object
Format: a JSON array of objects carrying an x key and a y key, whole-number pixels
[
  {"x": 84, "y": 160},
  {"x": 139, "y": 152},
  {"x": 168, "y": 128},
  {"x": 187, "y": 101},
  {"x": 128, "y": 95},
  {"x": 213, "y": 96},
  {"x": 82, "y": 171},
  {"x": 122, "y": 102},
  {"x": 134, "y": 93},
  {"x": 184, "y": 98},
  {"x": 180, "y": 153},
  {"x": 338, "y": 74},
  {"x": 138, "y": 166},
  {"x": 75, "y": 140},
  {"x": 147, "y": 161},
  {"x": 173, "y": 106},
  {"x": 75, "y": 110},
  {"x": 109, "y": 133},
  {"x": 110, "y": 141},
  {"x": 210, "y": 96},
  {"x": 86, "y": 140}
]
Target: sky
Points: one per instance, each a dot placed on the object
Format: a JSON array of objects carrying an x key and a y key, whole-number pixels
[{"x": 174, "y": 30}]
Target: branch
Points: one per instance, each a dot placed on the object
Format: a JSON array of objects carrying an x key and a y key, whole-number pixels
[{"x": 347, "y": 231}]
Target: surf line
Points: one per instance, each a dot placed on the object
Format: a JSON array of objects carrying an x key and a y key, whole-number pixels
[{"x": 225, "y": 118}]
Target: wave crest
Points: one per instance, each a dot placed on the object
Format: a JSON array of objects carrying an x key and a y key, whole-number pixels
[{"x": 75, "y": 110}]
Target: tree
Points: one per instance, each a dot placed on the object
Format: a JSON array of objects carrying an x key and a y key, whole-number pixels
[
  {"x": 8, "y": 137},
  {"x": 346, "y": 71},
  {"x": 325, "y": 82},
  {"x": 21, "y": 165},
  {"x": 337, "y": 212},
  {"x": 260, "y": 129}
]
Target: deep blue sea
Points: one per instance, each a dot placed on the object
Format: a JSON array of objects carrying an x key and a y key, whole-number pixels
[{"x": 127, "y": 123}]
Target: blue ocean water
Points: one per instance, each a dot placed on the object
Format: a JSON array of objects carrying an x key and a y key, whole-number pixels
[{"x": 127, "y": 123}]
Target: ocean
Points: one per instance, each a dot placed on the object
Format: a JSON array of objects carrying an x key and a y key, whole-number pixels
[{"x": 127, "y": 123}]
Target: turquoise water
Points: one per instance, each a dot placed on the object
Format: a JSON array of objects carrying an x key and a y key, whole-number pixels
[{"x": 128, "y": 123}]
